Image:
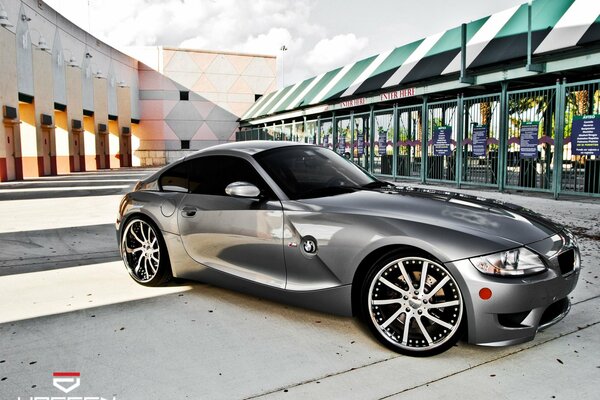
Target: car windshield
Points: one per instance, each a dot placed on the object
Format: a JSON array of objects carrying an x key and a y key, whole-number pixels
[{"x": 308, "y": 171}]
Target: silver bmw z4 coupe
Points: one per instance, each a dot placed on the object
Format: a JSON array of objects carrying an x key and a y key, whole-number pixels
[{"x": 302, "y": 225}]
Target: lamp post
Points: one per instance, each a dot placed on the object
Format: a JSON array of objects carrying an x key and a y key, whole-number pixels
[{"x": 283, "y": 49}]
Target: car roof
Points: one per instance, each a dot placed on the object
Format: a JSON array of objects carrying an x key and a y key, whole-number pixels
[{"x": 250, "y": 147}]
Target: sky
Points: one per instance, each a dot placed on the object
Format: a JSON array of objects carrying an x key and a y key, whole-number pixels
[{"x": 320, "y": 35}]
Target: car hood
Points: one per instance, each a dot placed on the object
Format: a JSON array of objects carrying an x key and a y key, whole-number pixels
[{"x": 449, "y": 210}]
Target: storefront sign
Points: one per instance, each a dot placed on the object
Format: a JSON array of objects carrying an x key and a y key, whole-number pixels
[
  {"x": 585, "y": 135},
  {"x": 529, "y": 139},
  {"x": 441, "y": 140},
  {"x": 480, "y": 134},
  {"x": 361, "y": 101},
  {"x": 360, "y": 144}
]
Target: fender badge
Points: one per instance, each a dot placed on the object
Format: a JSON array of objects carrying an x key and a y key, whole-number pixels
[
  {"x": 292, "y": 244},
  {"x": 309, "y": 245}
]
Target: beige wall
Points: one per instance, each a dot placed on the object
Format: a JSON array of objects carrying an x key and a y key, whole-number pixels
[
  {"x": 8, "y": 97},
  {"x": 124, "y": 120}
]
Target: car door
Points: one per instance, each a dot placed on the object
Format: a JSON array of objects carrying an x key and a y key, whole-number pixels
[{"x": 239, "y": 236}]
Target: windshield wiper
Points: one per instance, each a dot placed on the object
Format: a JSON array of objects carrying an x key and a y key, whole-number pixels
[{"x": 376, "y": 185}]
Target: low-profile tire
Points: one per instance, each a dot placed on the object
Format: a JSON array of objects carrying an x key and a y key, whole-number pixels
[
  {"x": 412, "y": 304},
  {"x": 144, "y": 253}
]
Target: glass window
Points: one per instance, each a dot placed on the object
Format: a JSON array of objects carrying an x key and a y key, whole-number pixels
[
  {"x": 175, "y": 179},
  {"x": 210, "y": 175},
  {"x": 309, "y": 171}
]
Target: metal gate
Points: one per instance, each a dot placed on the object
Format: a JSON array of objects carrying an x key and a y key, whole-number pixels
[
  {"x": 530, "y": 144},
  {"x": 442, "y": 130},
  {"x": 382, "y": 147},
  {"x": 409, "y": 142},
  {"x": 481, "y": 140},
  {"x": 581, "y": 156}
]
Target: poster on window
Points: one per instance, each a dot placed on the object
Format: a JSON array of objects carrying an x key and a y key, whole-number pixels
[
  {"x": 360, "y": 144},
  {"x": 529, "y": 139},
  {"x": 480, "y": 135},
  {"x": 326, "y": 141},
  {"x": 441, "y": 140},
  {"x": 585, "y": 135},
  {"x": 382, "y": 142},
  {"x": 341, "y": 145}
]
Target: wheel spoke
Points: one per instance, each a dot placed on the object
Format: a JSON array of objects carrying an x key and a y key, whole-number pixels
[
  {"x": 439, "y": 321},
  {"x": 154, "y": 258},
  {"x": 392, "y": 286},
  {"x": 139, "y": 264},
  {"x": 444, "y": 304},
  {"x": 409, "y": 281},
  {"x": 386, "y": 302},
  {"x": 438, "y": 287},
  {"x": 406, "y": 328},
  {"x": 423, "y": 276},
  {"x": 135, "y": 236},
  {"x": 391, "y": 319},
  {"x": 424, "y": 331},
  {"x": 146, "y": 267},
  {"x": 141, "y": 224}
]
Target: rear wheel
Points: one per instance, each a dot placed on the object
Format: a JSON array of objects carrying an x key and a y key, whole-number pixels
[
  {"x": 144, "y": 253},
  {"x": 413, "y": 305}
]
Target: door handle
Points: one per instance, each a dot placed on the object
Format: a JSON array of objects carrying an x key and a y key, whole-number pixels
[{"x": 188, "y": 211}]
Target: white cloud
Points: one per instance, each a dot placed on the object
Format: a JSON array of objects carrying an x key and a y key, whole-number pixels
[{"x": 335, "y": 52}]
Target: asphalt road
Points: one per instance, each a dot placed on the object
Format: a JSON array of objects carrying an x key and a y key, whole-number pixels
[{"x": 67, "y": 304}]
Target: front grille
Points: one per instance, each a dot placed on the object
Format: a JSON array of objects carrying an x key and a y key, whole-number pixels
[{"x": 566, "y": 261}]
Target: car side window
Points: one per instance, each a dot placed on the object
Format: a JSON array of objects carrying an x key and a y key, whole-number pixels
[
  {"x": 211, "y": 174},
  {"x": 175, "y": 179}
]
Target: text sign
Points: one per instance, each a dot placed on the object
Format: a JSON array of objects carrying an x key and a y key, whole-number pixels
[
  {"x": 529, "y": 139},
  {"x": 382, "y": 142},
  {"x": 441, "y": 140},
  {"x": 585, "y": 135},
  {"x": 480, "y": 134},
  {"x": 360, "y": 139},
  {"x": 341, "y": 145}
]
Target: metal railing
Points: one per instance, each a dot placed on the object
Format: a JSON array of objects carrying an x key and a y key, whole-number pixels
[{"x": 544, "y": 139}]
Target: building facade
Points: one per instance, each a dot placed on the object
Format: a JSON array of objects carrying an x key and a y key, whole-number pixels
[
  {"x": 509, "y": 101},
  {"x": 73, "y": 103}
]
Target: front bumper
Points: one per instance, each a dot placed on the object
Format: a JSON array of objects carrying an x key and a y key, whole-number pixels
[{"x": 518, "y": 307}]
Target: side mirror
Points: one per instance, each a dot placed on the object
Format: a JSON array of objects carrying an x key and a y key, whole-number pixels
[{"x": 242, "y": 189}]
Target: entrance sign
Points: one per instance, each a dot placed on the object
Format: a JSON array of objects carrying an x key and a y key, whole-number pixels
[
  {"x": 585, "y": 135},
  {"x": 480, "y": 134},
  {"x": 529, "y": 139},
  {"x": 441, "y": 140}
]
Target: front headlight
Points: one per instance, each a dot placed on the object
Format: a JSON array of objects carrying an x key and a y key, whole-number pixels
[{"x": 517, "y": 262}]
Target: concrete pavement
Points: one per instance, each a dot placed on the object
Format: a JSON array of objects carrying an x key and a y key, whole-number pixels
[{"x": 195, "y": 341}]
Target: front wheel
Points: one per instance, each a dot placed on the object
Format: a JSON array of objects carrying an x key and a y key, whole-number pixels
[
  {"x": 413, "y": 305},
  {"x": 144, "y": 253}
]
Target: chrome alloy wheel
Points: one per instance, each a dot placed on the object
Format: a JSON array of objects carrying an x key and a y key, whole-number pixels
[
  {"x": 140, "y": 250},
  {"x": 415, "y": 305}
]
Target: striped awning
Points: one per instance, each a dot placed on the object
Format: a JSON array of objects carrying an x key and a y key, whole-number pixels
[{"x": 556, "y": 25}]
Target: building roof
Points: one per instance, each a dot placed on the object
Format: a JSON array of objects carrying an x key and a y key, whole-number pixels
[{"x": 556, "y": 25}]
